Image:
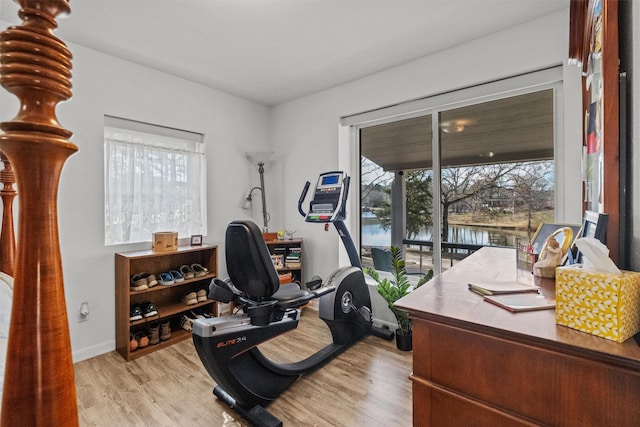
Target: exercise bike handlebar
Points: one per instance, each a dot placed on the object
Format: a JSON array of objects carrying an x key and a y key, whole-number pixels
[
  {"x": 345, "y": 195},
  {"x": 302, "y": 197}
]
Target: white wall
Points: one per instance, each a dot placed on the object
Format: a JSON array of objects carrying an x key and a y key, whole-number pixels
[
  {"x": 305, "y": 131},
  {"x": 106, "y": 85}
]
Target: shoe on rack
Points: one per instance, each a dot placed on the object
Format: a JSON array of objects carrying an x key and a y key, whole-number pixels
[
  {"x": 154, "y": 334},
  {"x": 142, "y": 339},
  {"x": 199, "y": 270},
  {"x": 151, "y": 279},
  {"x": 133, "y": 343},
  {"x": 186, "y": 323},
  {"x": 166, "y": 279},
  {"x": 190, "y": 298},
  {"x": 138, "y": 283},
  {"x": 135, "y": 313},
  {"x": 148, "y": 309},
  {"x": 200, "y": 313},
  {"x": 196, "y": 314},
  {"x": 187, "y": 272},
  {"x": 165, "y": 331},
  {"x": 206, "y": 314},
  {"x": 176, "y": 276},
  {"x": 201, "y": 295}
]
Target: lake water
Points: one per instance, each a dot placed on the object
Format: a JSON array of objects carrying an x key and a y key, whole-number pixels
[{"x": 374, "y": 235}]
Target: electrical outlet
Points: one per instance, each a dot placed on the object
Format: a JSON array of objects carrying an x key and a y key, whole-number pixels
[{"x": 84, "y": 312}]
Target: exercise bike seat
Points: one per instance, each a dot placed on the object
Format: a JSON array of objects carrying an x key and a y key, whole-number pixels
[
  {"x": 252, "y": 272},
  {"x": 288, "y": 292}
]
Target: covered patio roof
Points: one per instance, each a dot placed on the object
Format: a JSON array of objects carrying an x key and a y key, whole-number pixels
[{"x": 518, "y": 128}]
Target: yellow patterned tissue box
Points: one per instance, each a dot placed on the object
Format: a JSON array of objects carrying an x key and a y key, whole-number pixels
[{"x": 602, "y": 304}]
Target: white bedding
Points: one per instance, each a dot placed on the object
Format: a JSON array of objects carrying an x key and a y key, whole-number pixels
[{"x": 6, "y": 296}]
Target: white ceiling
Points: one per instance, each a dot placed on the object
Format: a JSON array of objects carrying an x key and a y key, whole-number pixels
[{"x": 273, "y": 51}]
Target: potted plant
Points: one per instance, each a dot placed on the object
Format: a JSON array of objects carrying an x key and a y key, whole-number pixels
[{"x": 395, "y": 288}]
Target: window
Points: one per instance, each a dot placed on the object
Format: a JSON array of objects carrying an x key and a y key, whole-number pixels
[{"x": 155, "y": 180}]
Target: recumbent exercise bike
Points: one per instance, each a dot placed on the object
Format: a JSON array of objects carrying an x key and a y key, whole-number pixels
[{"x": 247, "y": 380}]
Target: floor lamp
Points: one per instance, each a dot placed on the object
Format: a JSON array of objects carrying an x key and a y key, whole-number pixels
[{"x": 260, "y": 158}]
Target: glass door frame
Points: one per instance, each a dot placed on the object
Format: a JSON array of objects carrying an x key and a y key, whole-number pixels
[{"x": 349, "y": 131}]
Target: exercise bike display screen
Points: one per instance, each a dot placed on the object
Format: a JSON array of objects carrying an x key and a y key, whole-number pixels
[
  {"x": 327, "y": 202},
  {"x": 330, "y": 180}
]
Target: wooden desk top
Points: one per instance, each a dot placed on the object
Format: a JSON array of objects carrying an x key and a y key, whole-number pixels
[{"x": 446, "y": 299}]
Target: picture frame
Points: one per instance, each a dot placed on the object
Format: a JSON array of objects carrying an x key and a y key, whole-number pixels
[
  {"x": 196, "y": 240},
  {"x": 594, "y": 225},
  {"x": 565, "y": 234},
  {"x": 278, "y": 261}
]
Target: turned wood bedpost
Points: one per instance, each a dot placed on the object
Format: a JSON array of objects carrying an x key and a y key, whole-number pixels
[
  {"x": 7, "y": 233},
  {"x": 35, "y": 66}
]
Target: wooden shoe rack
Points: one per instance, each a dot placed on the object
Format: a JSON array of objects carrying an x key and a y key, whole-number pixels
[{"x": 167, "y": 299}]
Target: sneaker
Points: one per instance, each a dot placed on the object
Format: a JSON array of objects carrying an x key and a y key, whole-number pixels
[
  {"x": 176, "y": 276},
  {"x": 154, "y": 334},
  {"x": 165, "y": 331},
  {"x": 201, "y": 295},
  {"x": 186, "y": 323},
  {"x": 201, "y": 313},
  {"x": 148, "y": 309},
  {"x": 135, "y": 313},
  {"x": 196, "y": 314},
  {"x": 151, "y": 279},
  {"x": 166, "y": 279},
  {"x": 138, "y": 283},
  {"x": 187, "y": 272},
  {"x": 206, "y": 314},
  {"x": 190, "y": 298}
]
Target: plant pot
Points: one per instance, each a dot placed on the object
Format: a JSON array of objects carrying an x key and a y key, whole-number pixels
[{"x": 404, "y": 341}]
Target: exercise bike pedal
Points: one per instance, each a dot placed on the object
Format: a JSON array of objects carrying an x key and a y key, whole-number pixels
[
  {"x": 314, "y": 283},
  {"x": 260, "y": 417}
]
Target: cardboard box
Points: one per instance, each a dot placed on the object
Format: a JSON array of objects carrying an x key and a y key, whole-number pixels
[
  {"x": 165, "y": 241},
  {"x": 269, "y": 236},
  {"x": 602, "y": 304}
]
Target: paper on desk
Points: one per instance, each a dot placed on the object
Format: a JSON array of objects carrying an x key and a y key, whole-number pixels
[{"x": 595, "y": 256}]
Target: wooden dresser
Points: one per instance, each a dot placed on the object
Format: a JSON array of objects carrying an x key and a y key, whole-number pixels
[{"x": 476, "y": 364}]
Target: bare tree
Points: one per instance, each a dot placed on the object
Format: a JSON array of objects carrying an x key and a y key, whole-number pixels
[
  {"x": 462, "y": 183},
  {"x": 532, "y": 184}
]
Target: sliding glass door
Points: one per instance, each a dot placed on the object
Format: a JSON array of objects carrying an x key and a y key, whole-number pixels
[{"x": 452, "y": 179}]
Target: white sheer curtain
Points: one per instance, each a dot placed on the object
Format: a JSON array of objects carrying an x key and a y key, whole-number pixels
[{"x": 152, "y": 183}]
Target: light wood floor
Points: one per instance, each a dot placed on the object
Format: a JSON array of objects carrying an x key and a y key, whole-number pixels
[{"x": 367, "y": 385}]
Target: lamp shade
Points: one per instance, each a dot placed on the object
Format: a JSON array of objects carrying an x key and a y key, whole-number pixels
[{"x": 258, "y": 157}]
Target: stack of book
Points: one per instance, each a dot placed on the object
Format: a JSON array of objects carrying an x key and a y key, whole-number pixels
[
  {"x": 293, "y": 259},
  {"x": 513, "y": 296}
]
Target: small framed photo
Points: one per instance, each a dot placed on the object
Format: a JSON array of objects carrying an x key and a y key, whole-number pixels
[
  {"x": 196, "y": 240},
  {"x": 278, "y": 260}
]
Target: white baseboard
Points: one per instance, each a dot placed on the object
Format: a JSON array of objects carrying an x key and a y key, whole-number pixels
[{"x": 93, "y": 351}]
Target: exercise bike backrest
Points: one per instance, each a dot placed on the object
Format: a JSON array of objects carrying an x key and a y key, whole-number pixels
[{"x": 249, "y": 262}]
